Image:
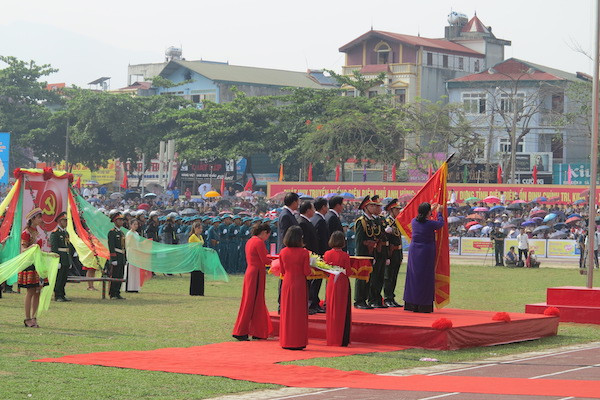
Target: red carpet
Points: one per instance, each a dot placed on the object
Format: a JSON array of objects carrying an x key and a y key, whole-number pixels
[
  {"x": 256, "y": 361},
  {"x": 576, "y": 304},
  {"x": 470, "y": 328}
]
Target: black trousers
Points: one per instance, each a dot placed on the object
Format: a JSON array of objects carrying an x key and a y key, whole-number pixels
[
  {"x": 523, "y": 252},
  {"x": 197, "y": 283},
  {"x": 498, "y": 251},
  {"x": 361, "y": 291},
  {"x": 116, "y": 272},
  {"x": 377, "y": 277},
  {"x": 61, "y": 281},
  {"x": 391, "y": 275},
  {"x": 313, "y": 293}
]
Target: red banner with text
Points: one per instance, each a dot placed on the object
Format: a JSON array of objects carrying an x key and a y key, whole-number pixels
[{"x": 566, "y": 193}]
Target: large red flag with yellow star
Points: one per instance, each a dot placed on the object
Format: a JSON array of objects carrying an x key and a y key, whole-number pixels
[{"x": 434, "y": 191}]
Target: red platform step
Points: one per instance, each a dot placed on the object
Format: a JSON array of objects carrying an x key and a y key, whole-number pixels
[{"x": 576, "y": 304}]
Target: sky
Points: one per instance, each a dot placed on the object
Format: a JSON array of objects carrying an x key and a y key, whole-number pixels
[{"x": 87, "y": 40}]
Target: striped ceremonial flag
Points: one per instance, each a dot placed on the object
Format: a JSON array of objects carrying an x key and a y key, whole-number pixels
[{"x": 434, "y": 191}]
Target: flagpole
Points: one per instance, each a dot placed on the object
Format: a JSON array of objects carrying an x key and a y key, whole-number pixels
[{"x": 594, "y": 154}]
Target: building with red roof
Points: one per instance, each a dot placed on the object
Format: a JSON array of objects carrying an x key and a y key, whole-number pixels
[
  {"x": 416, "y": 66},
  {"x": 529, "y": 99}
]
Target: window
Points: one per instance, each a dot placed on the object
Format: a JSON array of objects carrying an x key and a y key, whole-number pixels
[
  {"x": 445, "y": 61},
  {"x": 383, "y": 53},
  {"x": 400, "y": 95},
  {"x": 505, "y": 145},
  {"x": 474, "y": 103},
  {"x": 558, "y": 103},
  {"x": 557, "y": 147},
  {"x": 429, "y": 58},
  {"x": 196, "y": 98},
  {"x": 508, "y": 102},
  {"x": 372, "y": 93},
  {"x": 461, "y": 63},
  {"x": 350, "y": 93},
  {"x": 476, "y": 66}
]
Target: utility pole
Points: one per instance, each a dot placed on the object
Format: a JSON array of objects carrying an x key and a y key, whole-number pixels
[{"x": 594, "y": 155}]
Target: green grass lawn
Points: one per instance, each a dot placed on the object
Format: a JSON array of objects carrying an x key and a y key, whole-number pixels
[{"x": 164, "y": 315}]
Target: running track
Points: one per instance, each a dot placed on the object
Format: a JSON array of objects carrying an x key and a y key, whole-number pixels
[{"x": 574, "y": 364}]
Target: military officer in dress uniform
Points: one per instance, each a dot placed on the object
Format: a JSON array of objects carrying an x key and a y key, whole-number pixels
[
  {"x": 367, "y": 232},
  {"x": 60, "y": 244},
  {"x": 394, "y": 253},
  {"x": 225, "y": 242},
  {"x": 118, "y": 258},
  {"x": 380, "y": 253}
]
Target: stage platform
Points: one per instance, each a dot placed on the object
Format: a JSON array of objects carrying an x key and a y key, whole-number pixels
[
  {"x": 470, "y": 328},
  {"x": 576, "y": 304}
]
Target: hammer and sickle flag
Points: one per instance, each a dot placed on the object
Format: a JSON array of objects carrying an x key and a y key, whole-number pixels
[
  {"x": 50, "y": 205},
  {"x": 434, "y": 191}
]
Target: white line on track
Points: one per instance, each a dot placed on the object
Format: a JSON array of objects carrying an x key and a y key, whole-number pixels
[
  {"x": 492, "y": 363},
  {"x": 565, "y": 371},
  {"x": 310, "y": 394},
  {"x": 567, "y": 398},
  {"x": 439, "y": 396}
]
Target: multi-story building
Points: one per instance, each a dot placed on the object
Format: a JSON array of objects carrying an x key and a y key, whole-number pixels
[
  {"x": 418, "y": 67},
  {"x": 530, "y": 100}
]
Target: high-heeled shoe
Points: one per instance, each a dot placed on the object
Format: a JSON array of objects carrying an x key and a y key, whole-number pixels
[
  {"x": 29, "y": 323},
  {"x": 35, "y": 324}
]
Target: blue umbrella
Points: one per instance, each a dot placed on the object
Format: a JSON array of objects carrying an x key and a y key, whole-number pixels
[
  {"x": 537, "y": 220},
  {"x": 528, "y": 223},
  {"x": 580, "y": 201},
  {"x": 574, "y": 215},
  {"x": 306, "y": 197},
  {"x": 498, "y": 208},
  {"x": 347, "y": 195},
  {"x": 549, "y": 217},
  {"x": 196, "y": 200},
  {"x": 559, "y": 226},
  {"x": 330, "y": 195},
  {"x": 540, "y": 199}
]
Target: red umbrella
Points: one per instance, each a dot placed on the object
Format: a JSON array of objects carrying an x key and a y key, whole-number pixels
[
  {"x": 481, "y": 209},
  {"x": 573, "y": 219},
  {"x": 474, "y": 216},
  {"x": 519, "y": 201},
  {"x": 470, "y": 224},
  {"x": 491, "y": 199},
  {"x": 538, "y": 213},
  {"x": 144, "y": 206}
]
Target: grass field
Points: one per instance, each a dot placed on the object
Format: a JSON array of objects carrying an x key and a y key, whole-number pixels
[{"x": 164, "y": 315}]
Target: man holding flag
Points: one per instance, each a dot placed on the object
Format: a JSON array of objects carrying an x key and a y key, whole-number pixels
[{"x": 428, "y": 269}]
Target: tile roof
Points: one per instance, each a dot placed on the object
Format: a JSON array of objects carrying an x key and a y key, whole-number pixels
[
  {"x": 240, "y": 74},
  {"x": 514, "y": 68},
  {"x": 417, "y": 41},
  {"x": 475, "y": 25}
]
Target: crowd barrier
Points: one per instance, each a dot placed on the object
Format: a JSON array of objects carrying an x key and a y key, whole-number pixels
[{"x": 544, "y": 248}]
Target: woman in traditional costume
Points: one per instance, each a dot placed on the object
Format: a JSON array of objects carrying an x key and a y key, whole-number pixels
[
  {"x": 419, "y": 289},
  {"x": 253, "y": 317},
  {"x": 133, "y": 273},
  {"x": 29, "y": 278},
  {"x": 295, "y": 267},
  {"x": 338, "y": 313}
]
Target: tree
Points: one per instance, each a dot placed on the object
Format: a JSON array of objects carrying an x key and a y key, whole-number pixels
[
  {"x": 354, "y": 127},
  {"x": 358, "y": 81},
  {"x": 104, "y": 126},
  {"x": 229, "y": 130},
  {"x": 23, "y": 101}
]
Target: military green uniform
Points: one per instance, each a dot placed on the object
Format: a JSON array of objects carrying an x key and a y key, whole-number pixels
[
  {"x": 224, "y": 245},
  {"x": 118, "y": 258},
  {"x": 367, "y": 231},
  {"x": 60, "y": 244},
  {"x": 380, "y": 253},
  {"x": 395, "y": 257}
]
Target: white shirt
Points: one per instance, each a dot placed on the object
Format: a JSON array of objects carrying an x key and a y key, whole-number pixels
[
  {"x": 596, "y": 241},
  {"x": 522, "y": 241},
  {"x": 335, "y": 212},
  {"x": 305, "y": 217},
  {"x": 452, "y": 197},
  {"x": 290, "y": 210}
]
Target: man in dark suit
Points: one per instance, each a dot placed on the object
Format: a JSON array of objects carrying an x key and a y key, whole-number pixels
[
  {"x": 309, "y": 233},
  {"x": 287, "y": 217},
  {"x": 322, "y": 230},
  {"x": 334, "y": 222}
]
